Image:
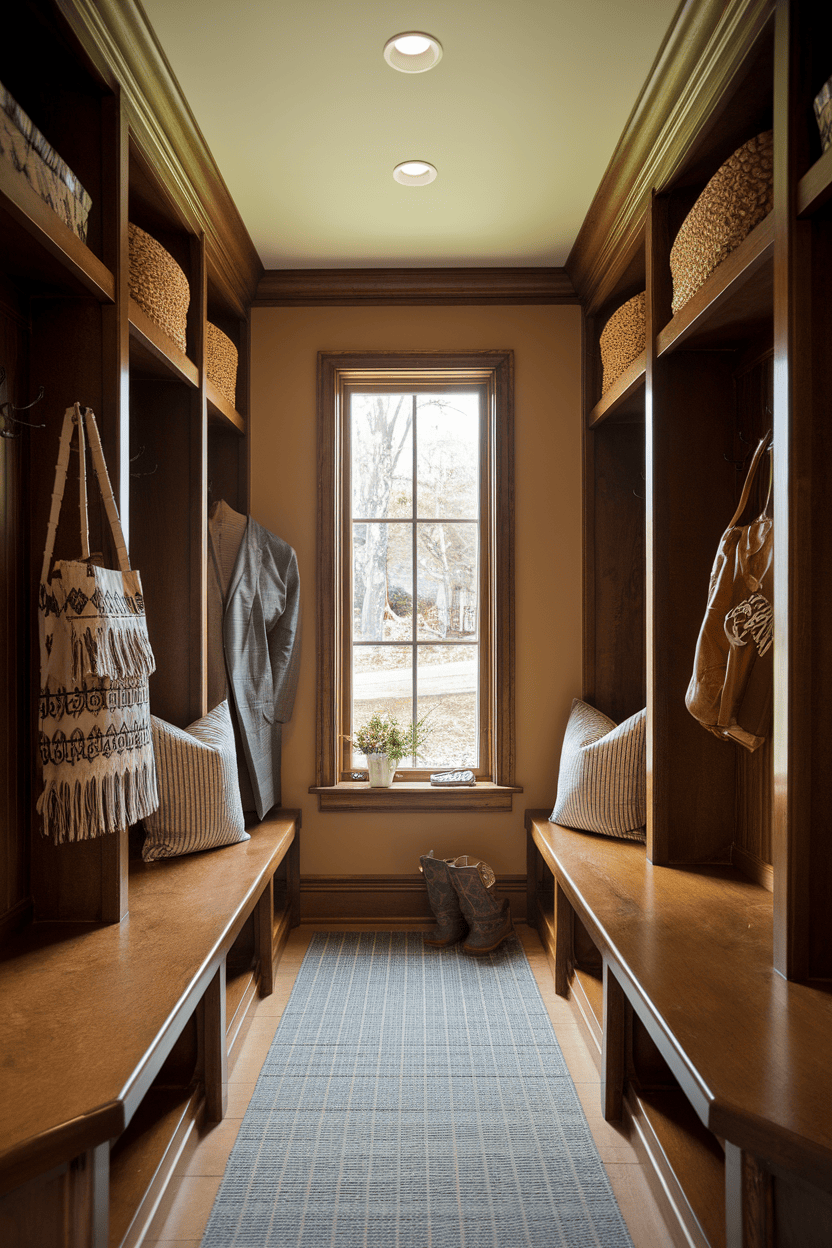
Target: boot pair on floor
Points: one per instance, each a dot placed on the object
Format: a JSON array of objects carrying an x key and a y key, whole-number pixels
[{"x": 461, "y": 895}]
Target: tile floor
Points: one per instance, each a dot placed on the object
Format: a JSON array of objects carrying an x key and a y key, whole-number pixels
[{"x": 181, "y": 1222}]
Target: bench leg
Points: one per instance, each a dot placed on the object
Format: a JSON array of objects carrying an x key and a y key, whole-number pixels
[
  {"x": 749, "y": 1204},
  {"x": 613, "y": 1048},
  {"x": 264, "y": 919},
  {"x": 563, "y": 941},
  {"x": 215, "y": 1051}
]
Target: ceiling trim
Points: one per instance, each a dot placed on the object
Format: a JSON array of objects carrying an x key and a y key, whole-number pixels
[
  {"x": 119, "y": 41},
  {"x": 702, "y": 52},
  {"x": 311, "y": 288}
]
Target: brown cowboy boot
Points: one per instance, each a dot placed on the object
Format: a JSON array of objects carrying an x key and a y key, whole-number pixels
[
  {"x": 450, "y": 925},
  {"x": 488, "y": 918}
]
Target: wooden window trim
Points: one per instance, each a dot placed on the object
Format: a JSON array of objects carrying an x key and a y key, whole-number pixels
[{"x": 495, "y": 788}]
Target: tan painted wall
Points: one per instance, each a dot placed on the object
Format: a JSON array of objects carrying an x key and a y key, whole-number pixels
[{"x": 546, "y": 342}]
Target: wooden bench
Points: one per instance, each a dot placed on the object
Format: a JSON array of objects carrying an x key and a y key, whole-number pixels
[
  {"x": 721, "y": 1068},
  {"x": 115, "y": 1041}
]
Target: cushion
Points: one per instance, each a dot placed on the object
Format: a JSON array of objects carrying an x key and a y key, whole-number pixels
[
  {"x": 199, "y": 797},
  {"x": 602, "y": 783}
]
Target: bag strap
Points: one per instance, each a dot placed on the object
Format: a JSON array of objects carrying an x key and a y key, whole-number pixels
[
  {"x": 749, "y": 480},
  {"x": 82, "y": 486},
  {"x": 73, "y": 417},
  {"x": 58, "y": 488},
  {"x": 100, "y": 466}
]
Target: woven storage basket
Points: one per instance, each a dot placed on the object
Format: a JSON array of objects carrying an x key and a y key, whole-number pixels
[
  {"x": 736, "y": 199},
  {"x": 222, "y": 363},
  {"x": 823, "y": 113},
  {"x": 622, "y": 340},
  {"x": 24, "y": 147},
  {"x": 158, "y": 285}
]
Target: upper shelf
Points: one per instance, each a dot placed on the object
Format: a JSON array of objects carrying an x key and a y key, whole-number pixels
[
  {"x": 37, "y": 245},
  {"x": 815, "y": 187},
  {"x": 736, "y": 300},
  {"x": 155, "y": 353},
  {"x": 625, "y": 396},
  {"x": 221, "y": 409}
]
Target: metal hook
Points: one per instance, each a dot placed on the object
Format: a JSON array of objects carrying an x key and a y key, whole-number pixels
[
  {"x": 10, "y": 421},
  {"x": 137, "y": 456}
]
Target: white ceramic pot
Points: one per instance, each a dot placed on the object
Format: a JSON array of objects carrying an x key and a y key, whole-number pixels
[{"x": 381, "y": 770}]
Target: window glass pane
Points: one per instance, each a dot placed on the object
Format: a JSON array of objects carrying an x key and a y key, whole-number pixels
[
  {"x": 447, "y": 695},
  {"x": 382, "y": 579},
  {"x": 448, "y": 455},
  {"x": 382, "y": 684},
  {"x": 381, "y": 440},
  {"x": 447, "y": 580}
]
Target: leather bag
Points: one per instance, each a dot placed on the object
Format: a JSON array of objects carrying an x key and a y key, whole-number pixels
[{"x": 730, "y": 689}]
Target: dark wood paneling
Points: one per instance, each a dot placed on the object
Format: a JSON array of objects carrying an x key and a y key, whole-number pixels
[
  {"x": 16, "y": 606},
  {"x": 618, "y": 563},
  {"x": 304, "y": 288}
]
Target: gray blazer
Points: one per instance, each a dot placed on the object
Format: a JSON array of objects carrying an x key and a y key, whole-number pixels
[{"x": 261, "y": 635}]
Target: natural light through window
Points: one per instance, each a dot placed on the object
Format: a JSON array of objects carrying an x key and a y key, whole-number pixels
[
  {"x": 415, "y": 577},
  {"x": 415, "y": 486}
]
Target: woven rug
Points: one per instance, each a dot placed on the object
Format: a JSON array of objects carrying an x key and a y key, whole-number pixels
[{"x": 414, "y": 1098}]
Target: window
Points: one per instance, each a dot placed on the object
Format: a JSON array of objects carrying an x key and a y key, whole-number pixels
[{"x": 415, "y": 572}]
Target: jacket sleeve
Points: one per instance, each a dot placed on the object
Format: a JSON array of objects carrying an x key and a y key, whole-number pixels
[{"x": 284, "y": 642}]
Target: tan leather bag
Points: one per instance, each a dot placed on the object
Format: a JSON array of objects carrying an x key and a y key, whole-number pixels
[{"x": 730, "y": 689}]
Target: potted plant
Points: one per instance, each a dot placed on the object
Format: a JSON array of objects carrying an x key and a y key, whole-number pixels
[{"x": 385, "y": 743}]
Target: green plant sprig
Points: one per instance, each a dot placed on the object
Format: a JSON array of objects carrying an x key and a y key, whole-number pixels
[{"x": 387, "y": 736}]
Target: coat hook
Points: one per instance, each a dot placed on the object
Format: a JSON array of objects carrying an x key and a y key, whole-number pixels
[
  {"x": 10, "y": 421},
  {"x": 149, "y": 472}
]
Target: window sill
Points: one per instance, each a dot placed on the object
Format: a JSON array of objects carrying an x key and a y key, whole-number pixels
[{"x": 410, "y": 795}]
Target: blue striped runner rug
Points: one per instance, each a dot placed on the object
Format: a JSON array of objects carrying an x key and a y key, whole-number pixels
[{"x": 414, "y": 1098}]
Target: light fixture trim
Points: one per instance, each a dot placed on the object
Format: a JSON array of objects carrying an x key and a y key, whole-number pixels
[
  {"x": 413, "y": 63},
  {"x": 414, "y": 179}
]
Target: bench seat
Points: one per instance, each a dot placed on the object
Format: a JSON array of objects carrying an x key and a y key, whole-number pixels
[
  {"x": 686, "y": 952},
  {"x": 91, "y": 1014}
]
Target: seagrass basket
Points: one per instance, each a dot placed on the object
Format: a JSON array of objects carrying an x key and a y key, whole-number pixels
[
  {"x": 736, "y": 199},
  {"x": 622, "y": 340},
  {"x": 24, "y": 148},
  {"x": 158, "y": 285},
  {"x": 823, "y": 113},
  {"x": 222, "y": 363}
]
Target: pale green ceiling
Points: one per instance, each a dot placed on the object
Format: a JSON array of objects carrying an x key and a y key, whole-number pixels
[{"x": 306, "y": 121}]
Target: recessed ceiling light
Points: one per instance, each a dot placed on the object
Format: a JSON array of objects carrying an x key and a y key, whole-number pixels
[
  {"x": 413, "y": 51},
  {"x": 414, "y": 173}
]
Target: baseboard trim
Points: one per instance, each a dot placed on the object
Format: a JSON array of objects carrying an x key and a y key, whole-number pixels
[
  {"x": 753, "y": 867},
  {"x": 387, "y": 898}
]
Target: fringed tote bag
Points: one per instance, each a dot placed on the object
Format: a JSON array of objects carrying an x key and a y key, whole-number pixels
[
  {"x": 95, "y": 660},
  {"x": 731, "y": 686}
]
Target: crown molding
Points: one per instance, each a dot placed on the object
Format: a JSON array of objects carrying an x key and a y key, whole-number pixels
[
  {"x": 121, "y": 45},
  {"x": 310, "y": 288},
  {"x": 702, "y": 52}
]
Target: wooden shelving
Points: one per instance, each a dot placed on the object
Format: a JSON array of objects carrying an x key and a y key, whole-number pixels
[
  {"x": 625, "y": 396},
  {"x": 814, "y": 189},
  {"x": 154, "y": 354},
  {"x": 733, "y": 304},
  {"x": 37, "y": 247},
  {"x": 221, "y": 410}
]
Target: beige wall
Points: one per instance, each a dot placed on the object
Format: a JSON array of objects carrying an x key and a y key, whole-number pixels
[{"x": 546, "y": 343}]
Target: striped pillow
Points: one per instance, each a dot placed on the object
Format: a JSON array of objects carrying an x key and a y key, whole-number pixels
[
  {"x": 602, "y": 784},
  {"x": 199, "y": 796}
]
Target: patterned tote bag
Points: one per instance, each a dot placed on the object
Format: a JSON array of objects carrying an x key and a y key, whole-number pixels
[{"x": 95, "y": 660}]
